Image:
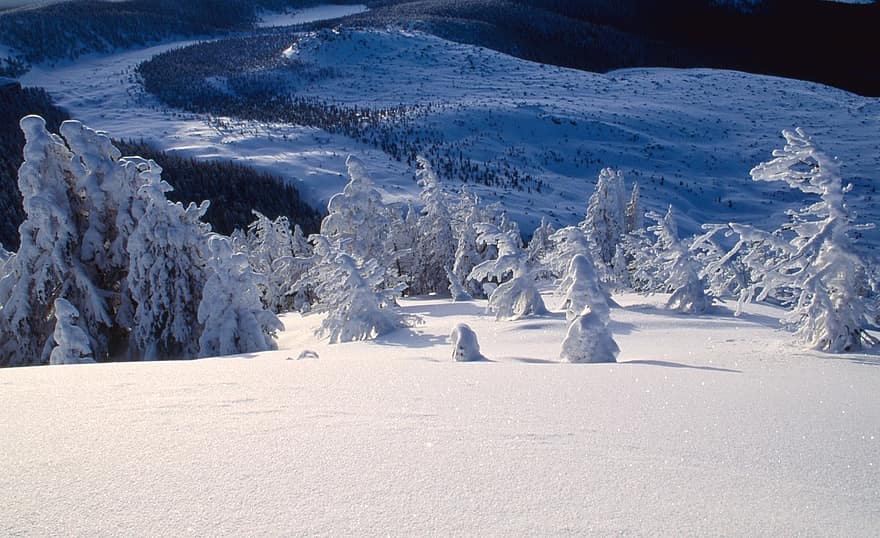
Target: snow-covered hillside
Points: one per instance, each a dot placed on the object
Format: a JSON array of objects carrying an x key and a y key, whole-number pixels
[
  {"x": 710, "y": 425},
  {"x": 688, "y": 136}
]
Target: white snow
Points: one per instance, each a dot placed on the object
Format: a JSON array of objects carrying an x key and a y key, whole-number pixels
[
  {"x": 689, "y": 137},
  {"x": 310, "y": 14},
  {"x": 709, "y": 425}
]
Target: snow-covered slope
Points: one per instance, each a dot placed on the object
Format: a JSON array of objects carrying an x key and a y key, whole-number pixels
[
  {"x": 688, "y": 136},
  {"x": 710, "y": 425}
]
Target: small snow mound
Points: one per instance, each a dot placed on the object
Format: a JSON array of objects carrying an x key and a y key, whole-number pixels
[
  {"x": 305, "y": 354},
  {"x": 465, "y": 347}
]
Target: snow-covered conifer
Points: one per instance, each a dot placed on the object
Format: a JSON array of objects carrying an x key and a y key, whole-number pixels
[
  {"x": 456, "y": 290},
  {"x": 467, "y": 251},
  {"x": 682, "y": 273},
  {"x": 435, "y": 248},
  {"x": 351, "y": 294},
  {"x": 540, "y": 244},
  {"x": 270, "y": 247},
  {"x": 565, "y": 244},
  {"x": 605, "y": 221},
  {"x": 49, "y": 262},
  {"x": 357, "y": 218},
  {"x": 465, "y": 347},
  {"x": 634, "y": 215},
  {"x": 167, "y": 274},
  {"x": 71, "y": 342},
  {"x": 516, "y": 295},
  {"x": 231, "y": 311},
  {"x": 581, "y": 290},
  {"x": 589, "y": 340},
  {"x": 812, "y": 257}
]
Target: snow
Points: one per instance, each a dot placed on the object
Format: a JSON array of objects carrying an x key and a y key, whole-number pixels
[
  {"x": 708, "y": 425},
  {"x": 689, "y": 137},
  {"x": 310, "y": 14}
]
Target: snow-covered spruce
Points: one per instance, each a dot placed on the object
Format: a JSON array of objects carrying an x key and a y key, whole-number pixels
[
  {"x": 276, "y": 252},
  {"x": 71, "y": 342},
  {"x": 435, "y": 246},
  {"x": 351, "y": 294},
  {"x": 681, "y": 272},
  {"x": 589, "y": 340},
  {"x": 812, "y": 257},
  {"x": 357, "y": 221},
  {"x": 231, "y": 311},
  {"x": 606, "y": 221},
  {"x": 167, "y": 274},
  {"x": 456, "y": 291},
  {"x": 581, "y": 290},
  {"x": 465, "y": 347},
  {"x": 49, "y": 263},
  {"x": 517, "y": 295},
  {"x": 565, "y": 244}
]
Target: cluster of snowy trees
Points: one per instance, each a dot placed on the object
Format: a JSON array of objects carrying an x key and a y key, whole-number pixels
[{"x": 109, "y": 269}]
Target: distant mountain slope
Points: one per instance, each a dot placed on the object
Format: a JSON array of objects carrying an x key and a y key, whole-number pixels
[
  {"x": 531, "y": 136},
  {"x": 777, "y": 37},
  {"x": 70, "y": 29}
]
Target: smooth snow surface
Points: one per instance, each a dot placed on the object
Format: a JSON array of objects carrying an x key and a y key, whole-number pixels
[
  {"x": 310, "y": 14},
  {"x": 710, "y": 425}
]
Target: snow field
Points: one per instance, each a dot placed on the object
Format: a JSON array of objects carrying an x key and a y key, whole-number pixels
[{"x": 710, "y": 425}]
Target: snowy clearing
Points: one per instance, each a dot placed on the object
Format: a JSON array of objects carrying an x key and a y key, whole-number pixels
[
  {"x": 309, "y": 14},
  {"x": 710, "y": 425}
]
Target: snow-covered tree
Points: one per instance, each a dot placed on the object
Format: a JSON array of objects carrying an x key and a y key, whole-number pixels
[
  {"x": 435, "y": 247},
  {"x": 351, "y": 294},
  {"x": 681, "y": 272},
  {"x": 465, "y": 347},
  {"x": 634, "y": 214},
  {"x": 357, "y": 218},
  {"x": 540, "y": 245},
  {"x": 467, "y": 252},
  {"x": 811, "y": 258},
  {"x": 581, "y": 290},
  {"x": 270, "y": 249},
  {"x": 565, "y": 244},
  {"x": 71, "y": 342},
  {"x": 605, "y": 221},
  {"x": 231, "y": 311},
  {"x": 456, "y": 290},
  {"x": 49, "y": 263},
  {"x": 517, "y": 295},
  {"x": 724, "y": 275},
  {"x": 167, "y": 274},
  {"x": 589, "y": 340}
]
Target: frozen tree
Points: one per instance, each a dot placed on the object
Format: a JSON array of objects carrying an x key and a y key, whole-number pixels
[
  {"x": 467, "y": 252},
  {"x": 231, "y": 311},
  {"x": 357, "y": 219},
  {"x": 581, "y": 290},
  {"x": 167, "y": 274},
  {"x": 465, "y": 347},
  {"x": 634, "y": 215},
  {"x": 724, "y": 275},
  {"x": 539, "y": 247},
  {"x": 589, "y": 340},
  {"x": 682, "y": 273},
  {"x": 71, "y": 342},
  {"x": 456, "y": 290},
  {"x": 49, "y": 261},
  {"x": 435, "y": 246},
  {"x": 351, "y": 294},
  {"x": 605, "y": 222},
  {"x": 516, "y": 295},
  {"x": 812, "y": 258},
  {"x": 565, "y": 244},
  {"x": 270, "y": 248}
]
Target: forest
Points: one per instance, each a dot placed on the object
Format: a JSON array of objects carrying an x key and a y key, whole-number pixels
[{"x": 233, "y": 189}]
